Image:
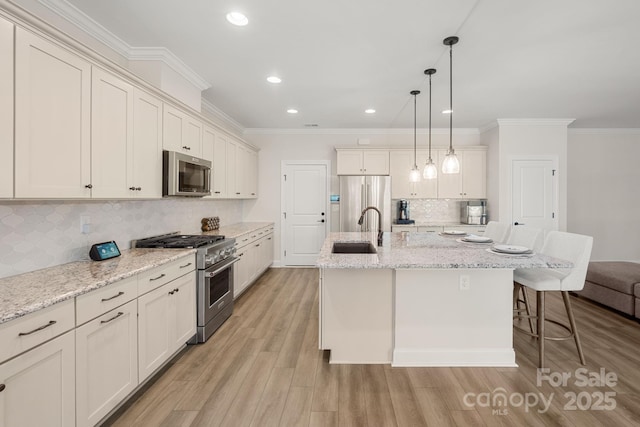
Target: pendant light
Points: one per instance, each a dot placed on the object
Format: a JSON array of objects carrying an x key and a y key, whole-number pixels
[
  {"x": 414, "y": 175},
  {"x": 430, "y": 170},
  {"x": 450, "y": 163}
]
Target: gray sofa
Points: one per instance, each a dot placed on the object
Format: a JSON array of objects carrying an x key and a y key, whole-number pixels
[{"x": 615, "y": 284}]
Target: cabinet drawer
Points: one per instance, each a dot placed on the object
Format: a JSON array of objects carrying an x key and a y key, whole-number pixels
[
  {"x": 95, "y": 303},
  {"x": 33, "y": 329},
  {"x": 149, "y": 280},
  {"x": 430, "y": 229}
]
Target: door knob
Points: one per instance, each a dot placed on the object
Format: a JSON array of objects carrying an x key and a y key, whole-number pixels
[
  {"x": 322, "y": 213},
  {"x": 322, "y": 220},
  {"x": 517, "y": 223}
]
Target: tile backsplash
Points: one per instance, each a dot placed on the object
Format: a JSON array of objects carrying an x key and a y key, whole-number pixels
[
  {"x": 35, "y": 235},
  {"x": 431, "y": 210}
]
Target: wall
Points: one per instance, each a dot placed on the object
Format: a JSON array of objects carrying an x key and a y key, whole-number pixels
[
  {"x": 276, "y": 146},
  {"x": 490, "y": 138},
  {"x": 603, "y": 188},
  {"x": 35, "y": 235},
  {"x": 528, "y": 138}
]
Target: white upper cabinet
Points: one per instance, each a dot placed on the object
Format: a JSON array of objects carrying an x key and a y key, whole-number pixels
[
  {"x": 242, "y": 171},
  {"x": 400, "y": 163},
  {"x": 147, "y": 146},
  {"x": 471, "y": 182},
  {"x": 52, "y": 120},
  {"x": 181, "y": 132},
  {"x": 111, "y": 136},
  {"x": 6, "y": 109},
  {"x": 126, "y": 140},
  {"x": 362, "y": 162},
  {"x": 220, "y": 167}
]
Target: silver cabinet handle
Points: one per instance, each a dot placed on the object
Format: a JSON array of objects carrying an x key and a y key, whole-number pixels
[
  {"x": 115, "y": 296},
  {"x": 185, "y": 266},
  {"x": 157, "y": 278},
  {"x": 113, "y": 318},
  {"x": 51, "y": 323}
]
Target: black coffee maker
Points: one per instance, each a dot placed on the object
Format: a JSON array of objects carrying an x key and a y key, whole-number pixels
[{"x": 403, "y": 213}]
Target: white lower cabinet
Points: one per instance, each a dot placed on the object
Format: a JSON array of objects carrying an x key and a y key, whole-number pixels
[
  {"x": 37, "y": 388},
  {"x": 255, "y": 253},
  {"x": 106, "y": 363},
  {"x": 166, "y": 321}
]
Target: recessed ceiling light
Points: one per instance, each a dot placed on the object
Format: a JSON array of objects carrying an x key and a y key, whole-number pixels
[
  {"x": 292, "y": 111},
  {"x": 369, "y": 111},
  {"x": 274, "y": 79},
  {"x": 447, "y": 111},
  {"x": 237, "y": 18}
]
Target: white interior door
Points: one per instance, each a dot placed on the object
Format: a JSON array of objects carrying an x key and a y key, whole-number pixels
[
  {"x": 305, "y": 216},
  {"x": 534, "y": 194}
]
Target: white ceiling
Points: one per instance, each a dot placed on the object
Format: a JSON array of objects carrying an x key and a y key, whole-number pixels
[{"x": 515, "y": 59}]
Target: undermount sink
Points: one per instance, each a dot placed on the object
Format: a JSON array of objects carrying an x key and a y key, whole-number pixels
[{"x": 353, "y": 248}]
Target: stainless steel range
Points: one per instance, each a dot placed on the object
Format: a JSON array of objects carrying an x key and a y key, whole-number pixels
[{"x": 214, "y": 261}]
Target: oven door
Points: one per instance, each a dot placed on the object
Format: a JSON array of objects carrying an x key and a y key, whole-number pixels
[{"x": 215, "y": 289}]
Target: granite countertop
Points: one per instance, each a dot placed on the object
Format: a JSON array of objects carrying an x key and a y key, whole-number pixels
[
  {"x": 238, "y": 229},
  {"x": 30, "y": 292},
  {"x": 426, "y": 250}
]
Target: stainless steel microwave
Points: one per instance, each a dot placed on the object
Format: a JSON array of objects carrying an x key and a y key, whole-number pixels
[{"x": 185, "y": 175}]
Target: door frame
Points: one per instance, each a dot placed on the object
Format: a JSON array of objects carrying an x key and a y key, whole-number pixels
[
  {"x": 283, "y": 200},
  {"x": 555, "y": 183}
]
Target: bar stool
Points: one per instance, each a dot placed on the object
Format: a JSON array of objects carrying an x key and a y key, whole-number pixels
[
  {"x": 497, "y": 231},
  {"x": 532, "y": 238},
  {"x": 571, "y": 247}
]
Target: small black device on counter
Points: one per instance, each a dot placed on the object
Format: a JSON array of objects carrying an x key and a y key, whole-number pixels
[{"x": 103, "y": 251}]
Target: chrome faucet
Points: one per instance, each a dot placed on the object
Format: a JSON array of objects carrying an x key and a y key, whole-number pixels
[{"x": 379, "y": 221}]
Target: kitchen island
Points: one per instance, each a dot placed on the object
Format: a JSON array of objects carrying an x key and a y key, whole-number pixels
[{"x": 421, "y": 300}]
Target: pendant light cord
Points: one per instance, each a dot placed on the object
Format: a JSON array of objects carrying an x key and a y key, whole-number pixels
[
  {"x": 429, "y": 117},
  {"x": 450, "y": 97},
  {"x": 415, "y": 97}
]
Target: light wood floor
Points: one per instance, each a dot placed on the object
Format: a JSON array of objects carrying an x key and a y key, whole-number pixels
[{"x": 263, "y": 368}]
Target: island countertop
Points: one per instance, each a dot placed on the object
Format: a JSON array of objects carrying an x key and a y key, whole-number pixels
[{"x": 426, "y": 250}]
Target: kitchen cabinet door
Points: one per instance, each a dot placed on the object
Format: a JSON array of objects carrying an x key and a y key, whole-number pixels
[
  {"x": 217, "y": 156},
  {"x": 52, "y": 120},
  {"x": 147, "y": 146},
  {"x": 241, "y": 171},
  {"x": 6, "y": 109},
  {"x": 251, "y": 183},
  {"x": 106, "y": 363},
  {"x": 153, "y": 331},
  {"x": 182, "y": 310},
  {"x": 166, "y": 321},
  {"x": 362, "y": 162},
  {"x": 471, "y": 182},
  {"x": 400, "y": 163},
  {"x": 181, "y": 132},
  {"x": 474, "y": 178},
  {"x": 111, "y": 136},
  {"x": 241, "y": 270},
  {"x": 39, "y": 386},
  {"x": 233, "y": 190},
  {"x": 220, "y": 167}
]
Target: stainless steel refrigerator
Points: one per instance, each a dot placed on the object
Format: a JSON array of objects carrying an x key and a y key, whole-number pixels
[{"x": 359, "y": 192}]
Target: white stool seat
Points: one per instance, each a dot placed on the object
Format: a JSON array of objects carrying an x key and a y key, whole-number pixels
[
  {"x": 497, "y": 231},
  {"x": 568, "y": 246},
  {"x": 540, "y": 279}
]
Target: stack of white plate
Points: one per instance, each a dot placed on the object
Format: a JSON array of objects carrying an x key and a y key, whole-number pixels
[
  {"x": 511, "y": 249},
  {"x": 472, "y": 238}
]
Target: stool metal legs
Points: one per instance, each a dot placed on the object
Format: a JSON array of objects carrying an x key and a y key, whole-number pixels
[{"x": 540, "y": 332}]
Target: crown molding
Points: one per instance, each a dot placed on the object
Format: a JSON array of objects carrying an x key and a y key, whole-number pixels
[
  {"x": 535, "y": 122},
  {"x": 604, "y": 131},
  {"x": 100, "y": 33},
  {"x": 222, "y": 116},
  {"x": 170, "y": 59},
  {"x": 361, "y": 132}
]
